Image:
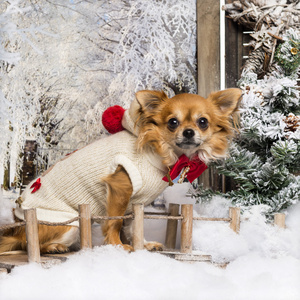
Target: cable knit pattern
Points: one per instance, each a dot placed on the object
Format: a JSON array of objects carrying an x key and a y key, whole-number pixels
[{"x": 77, "y": 179}]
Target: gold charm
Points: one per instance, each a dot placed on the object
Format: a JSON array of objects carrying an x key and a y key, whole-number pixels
[
  {"x": 183, "y": 174},
  {"x": 19, "y": 201},
  {"x": 169, "y": 178}
]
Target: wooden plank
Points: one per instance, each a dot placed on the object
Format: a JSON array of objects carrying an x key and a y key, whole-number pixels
[
  {"x": 279, "y": 220},
  {"x": 138, "y": 227},
  {"x": 233, "y": 51},
  {"x": 234, "y": 214},
  {"x": 186, "y": 228},
  {"x": 208, "y": 46},
  {"x": 187, "y": 257},
  {"x": 60, "y": 256},
  {"x": 171, "y": 231},
  {"x": 208, "y": 56},
  {"x": 8, "y": 262},
  {"x": 85, "y": 226},
  {"x": 32, "y": 236}
]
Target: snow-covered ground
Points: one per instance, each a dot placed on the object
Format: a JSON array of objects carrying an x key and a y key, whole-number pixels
[{"x": 264, "y": 263}]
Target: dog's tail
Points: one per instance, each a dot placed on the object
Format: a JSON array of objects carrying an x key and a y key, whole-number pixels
[
  {"x": 14, "y": 241},
  {"x": 9, "y": 243}
]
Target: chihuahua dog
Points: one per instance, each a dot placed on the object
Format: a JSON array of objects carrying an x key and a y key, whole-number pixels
[{"x": 126, "y": 168}]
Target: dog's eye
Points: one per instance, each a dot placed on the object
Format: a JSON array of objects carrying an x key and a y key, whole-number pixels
[
  {"x": 203, "y": 123},
  {"x": 173, "y": 124}
]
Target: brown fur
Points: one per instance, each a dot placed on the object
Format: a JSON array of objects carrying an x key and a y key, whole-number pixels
[
  {"x": 119, "y": 190},
  {"x": 50, "y": 239},
  {"x": 152, "y": 118},
  {"x": 219, "y": 108}
]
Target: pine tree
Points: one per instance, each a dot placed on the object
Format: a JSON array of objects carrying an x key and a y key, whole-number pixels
[{"x": 264, "y": 159}]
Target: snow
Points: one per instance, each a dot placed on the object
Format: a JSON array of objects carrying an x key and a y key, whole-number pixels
[{"x": 264, "y": 263}]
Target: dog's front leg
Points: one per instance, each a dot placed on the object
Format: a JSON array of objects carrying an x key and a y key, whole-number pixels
[{"x": 119, "y": 191}]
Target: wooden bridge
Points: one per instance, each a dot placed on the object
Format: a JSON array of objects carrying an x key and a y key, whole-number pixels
[{"x": 186, "y": 253}]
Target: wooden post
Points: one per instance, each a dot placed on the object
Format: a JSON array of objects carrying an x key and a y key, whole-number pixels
[
  {"x": 279, "y": 220},
  {"x": 234, "y": 51},
  {"x": 85, "y": 226},
  {"x": 208, "y": 61},
  {"x": 208, "y": 46},
  {"x": 138, "y": 227},
  {"x": 234, "y": 214},
  {"x": 171, "y": 232},
  {"x": 186, "y": 228},
  {"x": 32, "y": 235}
]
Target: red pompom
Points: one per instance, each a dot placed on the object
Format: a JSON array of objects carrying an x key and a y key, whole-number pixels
[{"x": 112, "y": 119}]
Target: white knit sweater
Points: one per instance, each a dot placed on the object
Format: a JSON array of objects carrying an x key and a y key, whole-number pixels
[{"x": 77, "y": 179}]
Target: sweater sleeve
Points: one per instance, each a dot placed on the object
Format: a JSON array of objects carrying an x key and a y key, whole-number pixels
[{"x": 131, "y": 169}]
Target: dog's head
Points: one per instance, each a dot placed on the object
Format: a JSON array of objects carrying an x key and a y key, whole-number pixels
[{"x": 186, "y": 124}]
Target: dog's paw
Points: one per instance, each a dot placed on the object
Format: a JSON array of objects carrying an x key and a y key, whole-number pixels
[
  {"x": 55, "y": 248},
  {"x": 154, "y": 246},
  {"x": 127, "y": 247}
]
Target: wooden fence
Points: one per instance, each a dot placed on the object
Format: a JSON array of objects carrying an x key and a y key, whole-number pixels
[{"x": 85, "y": 222}]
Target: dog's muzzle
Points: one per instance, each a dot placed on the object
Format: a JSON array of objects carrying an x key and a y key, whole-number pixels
[{"x": 188, "y": 140}]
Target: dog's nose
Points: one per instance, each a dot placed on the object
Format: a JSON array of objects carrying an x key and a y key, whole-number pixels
[{"x": 188, "y": 133}]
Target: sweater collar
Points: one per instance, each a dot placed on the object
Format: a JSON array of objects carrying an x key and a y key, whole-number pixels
[
  {"x": 129, "y": 124},
  {"x": 155, "y": 160}
]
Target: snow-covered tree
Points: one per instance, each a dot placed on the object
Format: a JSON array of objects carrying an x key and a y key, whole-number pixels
[
  {"x": 155, "y": 49},
  {"x": 80, "y": 57},
  {"x": 264, "y": 159},
  {"x": 9, "y": 58}
]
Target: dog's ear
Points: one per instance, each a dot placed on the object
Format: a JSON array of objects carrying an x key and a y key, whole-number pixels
[
  {"x": 226, "y": 100},
  {"x": 149, "y": 100}
]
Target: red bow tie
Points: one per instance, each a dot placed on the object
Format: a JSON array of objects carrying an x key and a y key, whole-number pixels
[{"x": 193, "y": 168}]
